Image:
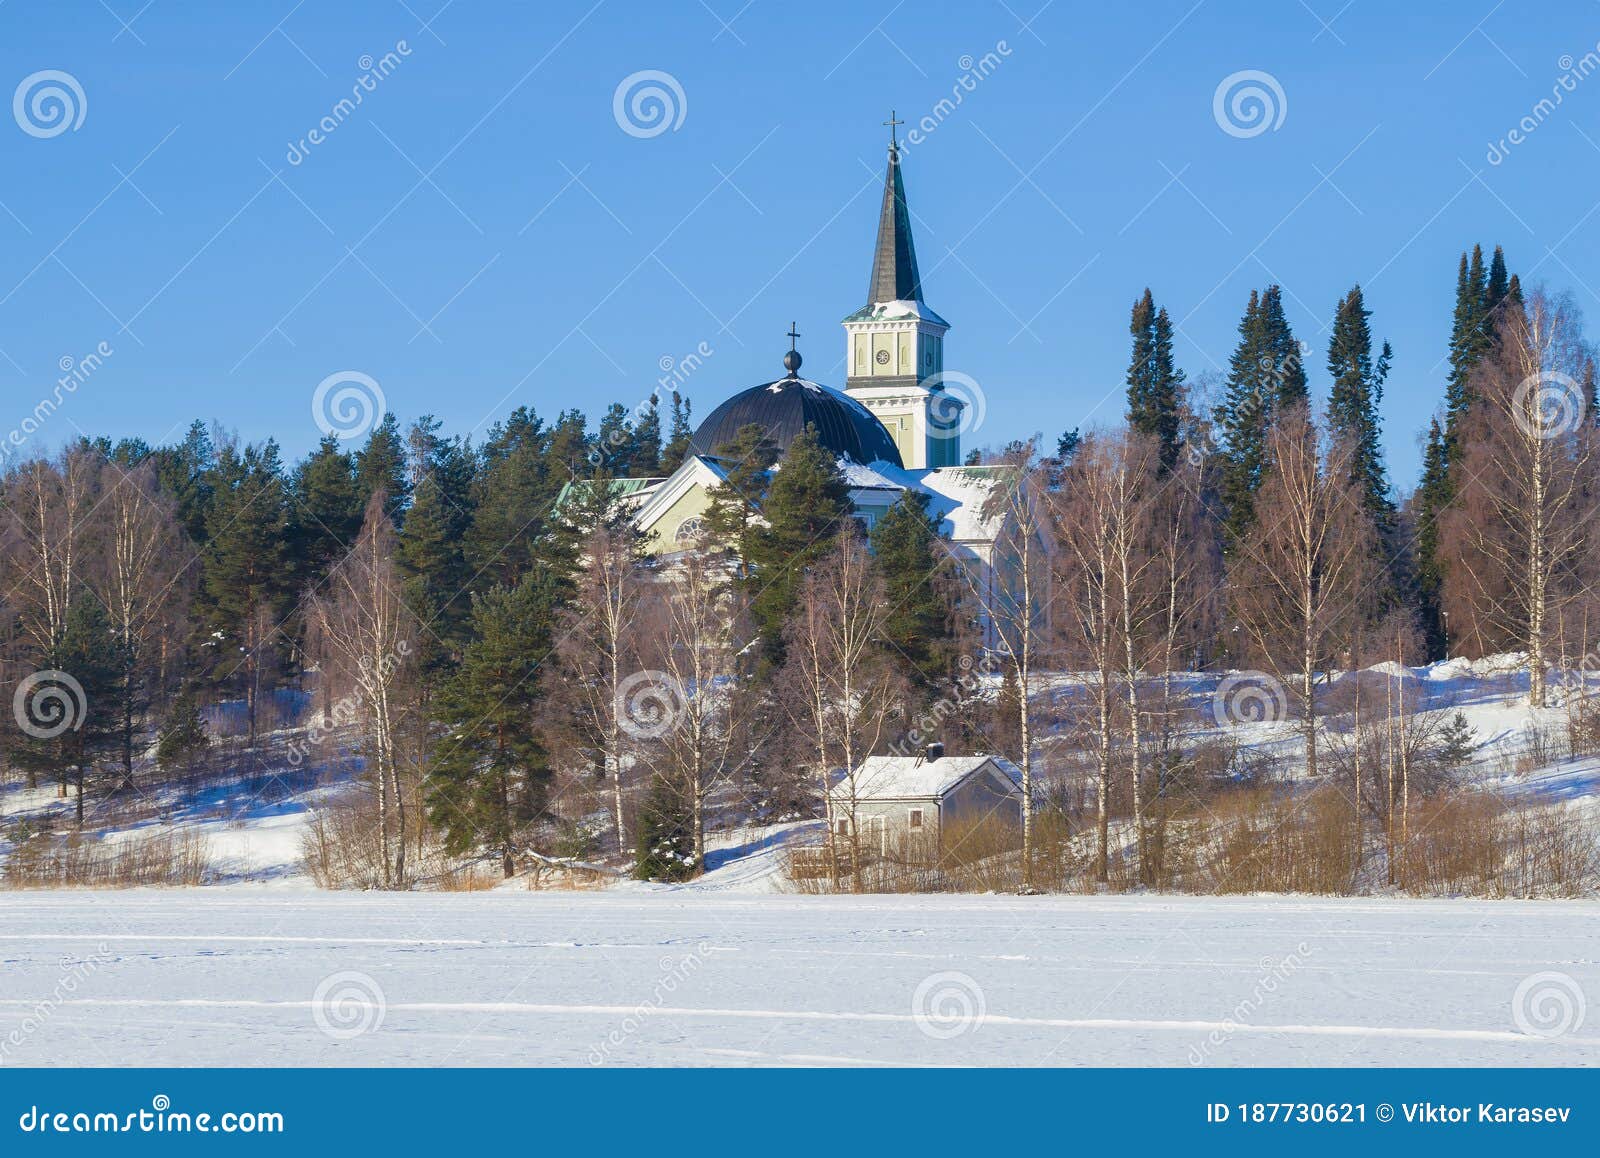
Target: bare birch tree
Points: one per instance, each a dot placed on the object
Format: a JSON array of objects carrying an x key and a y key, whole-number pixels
[
  {"x": 1303, "y": 580},
  {"x": 841, "y": 689},
  {"x": 1013, "y": 592},
  {"x": 599, "y": 648},
  {"x": 1518, "y": 532},
  {"x": 368, "y": 634}
]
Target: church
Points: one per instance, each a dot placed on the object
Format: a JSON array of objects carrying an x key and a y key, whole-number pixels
[{"x": 893, "y": 428}]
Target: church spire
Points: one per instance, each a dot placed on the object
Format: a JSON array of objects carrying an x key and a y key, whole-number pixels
[{"x": 894, "y": 264}]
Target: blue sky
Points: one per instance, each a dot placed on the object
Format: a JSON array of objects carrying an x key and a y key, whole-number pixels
[{"x": 481, "y": 232}]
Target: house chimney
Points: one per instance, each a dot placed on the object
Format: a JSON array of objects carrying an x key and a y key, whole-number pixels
[{"x": 935, "y": 751}]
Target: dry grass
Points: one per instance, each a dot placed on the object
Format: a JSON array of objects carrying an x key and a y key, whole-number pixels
[
  {"x": 341, "y": 848},
  {"x": 139, "y": 859},
  {"x": 1259, "y": 840}
]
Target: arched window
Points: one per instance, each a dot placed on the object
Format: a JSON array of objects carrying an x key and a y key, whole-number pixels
[{"x": 690, "y": 531}]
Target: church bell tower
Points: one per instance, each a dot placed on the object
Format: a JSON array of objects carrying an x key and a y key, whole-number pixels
[{"x": 895, "y": 343}]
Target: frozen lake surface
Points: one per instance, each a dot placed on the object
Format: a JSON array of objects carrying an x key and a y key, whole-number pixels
[{"x": 256, "y": 976}]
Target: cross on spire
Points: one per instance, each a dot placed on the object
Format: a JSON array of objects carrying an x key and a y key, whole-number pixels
[
  {"x": 793, "y": 335},
  {"x": 894, "y": 141}
]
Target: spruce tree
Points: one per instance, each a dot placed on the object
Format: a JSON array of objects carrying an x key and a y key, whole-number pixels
[
  {"x": 1286, "y": 364},
  {"x": 905, "y": 549},
  {"x": 733, "y": 505},
  {"x": 1469, "y": 340},
  {"x": 1155, "y": 384},
  {"x": 1241, "y": 422},
  {"x": 1353, "y": 403},
  {"x": 666, "y": 835}
]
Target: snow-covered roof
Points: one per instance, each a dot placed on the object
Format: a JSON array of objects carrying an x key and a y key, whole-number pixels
[
  {"x": 872, "y": 477},
  {"x": 896, "y": 310},
  {"x": 918, "y": 778},
  {"x": 956, "y": 495}
]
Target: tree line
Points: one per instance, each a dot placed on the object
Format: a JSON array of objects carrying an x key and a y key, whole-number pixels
[{"x": 524, "y": 678}]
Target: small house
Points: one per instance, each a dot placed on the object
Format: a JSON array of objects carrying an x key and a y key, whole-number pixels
[{"x": 914, "y": 802}]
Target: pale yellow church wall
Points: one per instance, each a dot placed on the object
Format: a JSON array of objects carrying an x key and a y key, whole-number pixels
[{"x": 692, "y": 504}]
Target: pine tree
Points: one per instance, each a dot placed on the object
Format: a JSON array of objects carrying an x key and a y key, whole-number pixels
[
  {"x": 1155, "y": 384},
  {"x": 490, "y": 772},
  {"x": 431, "y": 554},
  {"x": 245, "y": 580},
  {"x": 615, "y": 448},
  {"x": 647, "y": 441},
  {"x": 69, "y": 719},
  {"x": 805, "y": 505},
  {"x": 678, "y": 436},
  {"x": 1353, "y": 404},
  {"x": 184, "y": 471},
  {"x": 327, "y": 509},
  {"x": 381, "y": 465},
  {"x": 525, "y": 465},
  {"x": 906, "y": 551}
]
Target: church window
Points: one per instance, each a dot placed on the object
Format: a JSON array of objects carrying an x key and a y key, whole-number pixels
[{"x": 690, "y": 530}]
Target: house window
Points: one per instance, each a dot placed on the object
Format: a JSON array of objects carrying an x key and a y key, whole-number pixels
[
  {"x": 916, "y": 818},
  {"x": 843, "y": 827}
]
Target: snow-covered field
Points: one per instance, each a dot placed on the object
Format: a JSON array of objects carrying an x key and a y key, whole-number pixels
[{"x": 281, "y": 976}]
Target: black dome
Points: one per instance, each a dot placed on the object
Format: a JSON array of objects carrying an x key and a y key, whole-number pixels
[{"x": 785, "y": 407}]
